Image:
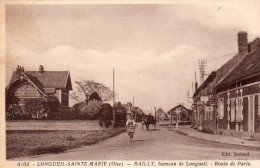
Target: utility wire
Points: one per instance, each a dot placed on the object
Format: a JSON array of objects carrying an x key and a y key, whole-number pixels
[{"x": 221, "y": 57}]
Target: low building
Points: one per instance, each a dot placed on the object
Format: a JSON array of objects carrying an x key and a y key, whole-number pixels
[
  {"x": 184, "y": 113},
  {"x": 204, "y": 105},
  {"x": 39, "y": 84},
  {"x": 161, "y": 115}
]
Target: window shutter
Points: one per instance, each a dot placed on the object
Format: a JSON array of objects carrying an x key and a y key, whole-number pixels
[
  {"x": 232, "y": 110},
  {"x": 258, "y": 97}
]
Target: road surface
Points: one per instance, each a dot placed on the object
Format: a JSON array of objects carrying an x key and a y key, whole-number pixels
[{"x": 159, "y": 144}]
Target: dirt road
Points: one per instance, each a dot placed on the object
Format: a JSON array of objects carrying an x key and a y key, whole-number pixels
[{"x": 159, "y": 144}]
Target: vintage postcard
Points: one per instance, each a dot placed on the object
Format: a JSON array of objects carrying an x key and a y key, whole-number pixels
[{"x": 130, "y": 83}]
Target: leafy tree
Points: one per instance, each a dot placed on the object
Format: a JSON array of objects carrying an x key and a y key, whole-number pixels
[
  {"x": 92, "y": 109},
  {"x": 52, "y": 106},
  {"x": 120, "y": 115},
  {"x": 95, "y": 96},
  {"x": 87, "y": 88},
  {"x": 76, "y": 110}
]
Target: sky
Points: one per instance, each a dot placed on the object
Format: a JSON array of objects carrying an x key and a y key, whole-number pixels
[{"x": 153, "y": 48}]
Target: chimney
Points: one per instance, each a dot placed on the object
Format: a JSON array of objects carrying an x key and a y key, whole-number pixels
[
  {"x": 242, "y": 43},
  {"x": 19, "y": 69},
  {"x": 41, "y": 69},
  {"x": 196, "y": 86}
]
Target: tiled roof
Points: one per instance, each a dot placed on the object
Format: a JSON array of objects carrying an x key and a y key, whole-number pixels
[
  {"x": 49, "y": 79},
  {"x": 36, "y": 82},
  {"x": 178, "y": 106},
  {"x": 248, "y": 66},
  {"x": 226, "y": 68},
  {"x": 221, "y": 73}
]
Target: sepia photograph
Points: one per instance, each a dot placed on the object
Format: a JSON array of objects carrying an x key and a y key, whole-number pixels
[{"x": 131, "y": 81}]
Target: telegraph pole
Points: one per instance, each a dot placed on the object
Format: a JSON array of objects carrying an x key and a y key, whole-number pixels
[
  {"x": 134, "y": 108},
  {"x": 202, "y": 67},
  {"x": 133, "y": 101},
  {"x": 155, "y": 113},
  {"x": 114, "y": 120}
]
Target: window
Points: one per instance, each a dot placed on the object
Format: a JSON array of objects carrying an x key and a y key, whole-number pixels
[
  {"x": 208, "y": 114},
  {"x": 205, "y": 113},
  {"x": 221, "y": 108},
  {"x": 211, "y": 114},
  {"x": 232, "y": 110},
  {"x": 239, "y": 109}
]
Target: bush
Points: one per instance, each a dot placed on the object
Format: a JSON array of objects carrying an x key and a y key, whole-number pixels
[
  {"x": 23, "y": 117},
  {"x": 11, "y": 106},
  {"x": 120, "y": 119},
  {"x": 66, "y": 113},
  {"x": 105, "y": 115},
  {"x": 120, "y": 115},
  {"x": 13, "y": 111},
  {"x": 76, "y": 111}
]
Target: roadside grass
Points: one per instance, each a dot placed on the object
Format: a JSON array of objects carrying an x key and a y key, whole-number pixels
[{"x": 33, "y": 142}]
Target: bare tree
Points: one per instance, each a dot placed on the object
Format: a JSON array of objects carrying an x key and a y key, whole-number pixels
[{"x": 86, "y": 88}]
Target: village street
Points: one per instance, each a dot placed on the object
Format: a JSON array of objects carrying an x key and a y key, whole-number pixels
[{"x": 163, "y": 143}]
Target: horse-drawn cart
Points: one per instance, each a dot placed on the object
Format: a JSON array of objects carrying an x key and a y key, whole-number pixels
[{"x": 147, "y": 120}]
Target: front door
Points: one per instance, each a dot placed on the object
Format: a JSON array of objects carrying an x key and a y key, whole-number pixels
[{"x": 251, "y": 114}]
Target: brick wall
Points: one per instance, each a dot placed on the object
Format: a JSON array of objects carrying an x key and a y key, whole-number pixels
[
  {"x": 250, "y": 90},
  {"x": 257, "y": 119}
]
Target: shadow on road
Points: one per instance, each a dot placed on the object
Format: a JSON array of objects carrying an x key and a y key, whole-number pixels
[{"x": 140, "y": 140}]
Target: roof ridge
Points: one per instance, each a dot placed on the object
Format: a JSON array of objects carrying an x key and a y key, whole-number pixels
[
  {"x": 230, "y": 70},
  {"x": 237, "y": 65},
  {"x": 30, "y": 78},
  {"x": 50, "y": 79}
]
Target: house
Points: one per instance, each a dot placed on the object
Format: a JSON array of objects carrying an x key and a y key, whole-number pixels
[
  {"x": 40, "y": 84},
  {"x": 184, "y": 113},
  {"x": 204, "y": 98},
  {"x": 221, "y": 94},
  {"x": 161, "y": 115},
  {"x": 238, "y": 94},
  {"x": 203, "y": 116}
]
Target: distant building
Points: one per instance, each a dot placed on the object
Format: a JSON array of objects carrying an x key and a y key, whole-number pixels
[
  {"x": 185, "y": 114},
  {"x": 40, "y": 84},
  {"x": 161, "y": 115}
]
